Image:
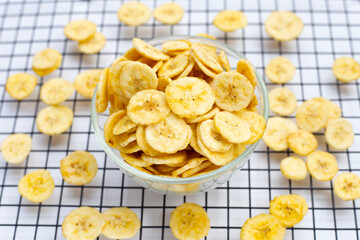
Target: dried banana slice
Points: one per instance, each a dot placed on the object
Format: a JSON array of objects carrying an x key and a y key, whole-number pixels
[
  {"x": 78, "y": 168},
  {"x": 169, "y": 13},
  {"x": 233, "y": 91},
  {"x": 143, "y": 144},
  {"x": 46, "y": 61},
  {"x": 194, "y": 140},
  {"x": 124, "y": 125},
  {"x": 132, "y": 55},
  {"x": 132, "y": 147},
  {"x": 201, "y": 71},
  {"x": 231, "y": 127},
  {"x": 203, "y": 55},
  {"x": 111, "y": 139},
  {"x": 16, "y": 147},
  {"x": 85, "y": 82},
  {"x": 174, "y": 66},
  {"x": 134, "y": 13},
  {"x": 36, "y": 186},
  {"x": 302, "y": 142},
  {"x": 197, "y": 170},
  {"x": 188, "y": 68},
  {"x": 293, "y": 168},
  {"x": 54, "y": 119},
  {"x": 311, "y": 115},
  {"x": 277, "y": 132},
  {"x": 127, "y": 138},
  {"x": 280, "y": 70},
  {"x": 56, "y": 91},
  {"x": 245, "y": 68},
  {"x": 80, "y": 30},
  {"x": 283, "y": 25},
  {"x": 205, "y": 35},
  {"x": 211, "y": 137},
  {"x": 189, "y": 97},
  {"x": 149, "y": 51},
  {"x": 263, "y": 227},
  {"x": 175, "y": 158},
  {"x": 189, "y": 221},
  {"x": 334, "y": 111},
  {"x": 347, "y": 186},
  {"x": 225, "y": 61},
  {"x": 175, "y": 46},
  {"x": 322, "y": 165},
  {"x": 282, "y": 101},
  {"x": 204, "y": 117},
  {"x": 339, "y": 134},
  {"x": 346, "y": 69},
  {"x": 230, "y": 20},
  {"x": 192, "y": 163},
  {"x": 256, "y": 123},
  {"x": 102, "y": 96},
  {"x": 84, "y": 223},
  {"x": 163, "y": 82},
  {"x": 20, "y": 85},
  {"x": 135, "y": 159},
  {"x": 93, "y": 45},
  {"x": 290, "y": 209},
  {"x": 121, "y": 223}
]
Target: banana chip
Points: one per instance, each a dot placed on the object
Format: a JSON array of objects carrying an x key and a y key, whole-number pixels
[
  {"x": 346, "y": 69},
  {"x": 36, "y": 186},
  {"x": 205, "y": 35},
  {"x": 192, "y": 163},
  {"x": 245, "y": 68},
  {"x": 93, "y": 45},
  {"x": 149, "y": 51},
  {"x": 20, "y": 85},
  {"x": 188, "y": 69},
  {"x": 135, "y": 159},
  {"x": 132, "y": 55},
  {"x": 283, "y": 25},
  {"x": 144, "y": 145},
  {"x": 211, "y": 137},
  {"x": 175, "y": 46},
  {"x": 225, "y": 61},
  {"x": 80, "y": 30},
  {"x": 230, "y": 20},
  {"x": 322, "y": 165},
  {"x": 206, "y": 58},
  {"x": 197, "y": 170},
  {"x": 169, "y": 13},
  {"x": 16, "y": 147},
  {"x": 56, "y": 91},
  {"x": 163, "y": 82},
  {"x": 46, "y": 61},
  {"x": 54, "y": 120},
  {"x": 111, "y": 138},
  {"x": 280, "y": 70},
  {"x": 312, "y": 115},
  {"x": 204, "y": 117},
  {"x": 102, "y": 96},
  {"x": 277, "y": 132},
  {"x": 334, "y": 111},
  {"x": 124, "y": 125},
  {"x": 193, "y": 140},
  {"x": 282, "y": 101},
  {"x": 134, "y": 13},
  {"x": 347, "y": 186},
  {"x": 201, "y": 71},
  {"x": 302, "y": 142},
  {"x": 175, "y": 158},
  {"x": 174, "y": 66},
  {"x": 339, "y": 134},
  {"x": 256, "y": 123},
  {"x": 127, "y": 138},
  {"x": 293, "y": 168},
  {"x": 85, "y": 83}
]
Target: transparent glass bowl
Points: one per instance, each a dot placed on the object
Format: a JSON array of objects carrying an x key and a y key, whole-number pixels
[{"x": 191, "y": 185}]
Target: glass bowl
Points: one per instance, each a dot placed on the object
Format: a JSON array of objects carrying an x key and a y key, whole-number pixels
[{"x": 190, "y": 185}]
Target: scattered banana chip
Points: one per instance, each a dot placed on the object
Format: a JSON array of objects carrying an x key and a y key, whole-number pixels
[
  {"x": 346, "y": 69},
  {"x": 102, "y": 96},
  {"x": 85, "y": 83},
  {"x": 46, "y": 61},
  {"x": 189, "y": 221},
  {"x": 80, "y": 30},
  {"x": 347, "y": 186},
  {"x": 302, "y": 142},
  {"x": 230, "y": 20},
  {"x": 283, "y": 25},
  {"x": 290, "y": 209},
  {"x": 322, "y": 165},
  {"x": 93, "y": 45},
  {"x": 149, "y": 51},
  {"x": 256, "y": 123},
  {"x": 277, "y": 131},
  {"x": 20, "y": 85},
  {"x": 334, "y": 111},
  {"x": 211, "y": 137},
  {"x": 54, "y": 120},
  {"x": 169, "y": 13},
  {"x": 56, "y": 91},
  {"x": 231, "y": 127},
  {"x": 36, "y": 186},
  {"x": 174, "y": 66},
  {"x": 205, "y": 35},
  {"x": 134, "y": 13},
  {"x": 204, "y": 117},
  {"x": 339, "y": 134},
  {"x": 280, "y": 70},
  {"x": 84, "y": 223},
  {"x": 78, "y": 168},
  {"x": 293, "y": 168},
  {"x": 245, "y": 68},
  {"x": 311, "y": 115},
  {"x": 16, "y": 147},
  {"x": 282, "y": 101},
  {"x": 263, "y": 227}
]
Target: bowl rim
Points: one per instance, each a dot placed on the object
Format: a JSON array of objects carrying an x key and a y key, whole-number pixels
[{"x": 196, "y": 179}]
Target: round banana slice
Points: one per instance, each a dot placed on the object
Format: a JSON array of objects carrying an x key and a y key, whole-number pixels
[
  {"x": 201, "y": 71},
  {"x": 293, "y": 168},
  {"x": 16, "y": 147},
  {"x": 46, "y": 61},
  {"x": 135, "y": 159},
  {"x": 189, "y": 221},
  {"x": 80, "y": 30},
  {"x": 124, "y": 125},
  {"x": 302, "y": 142},
  {"x": 174, "y": 66},
  {"x": 127, "y": 138},
  {"x": 233, "y": 91},
  {"x": 290, "y": 209},
  {"x": 205, "y": 57},
  {"x": 334, "y": 111},
  {"x": 277, "y": 132},
  {"x": 282, "y": 101},
  {"x": 211, "y": 137},
  {"x": 121, "y": 223},
  {"x": 93, "y": 45},
  {"x": 132, "y": 55},
  {"x": 20, "y": 85},
  {"x": 263, "y": 227},
  {"x": 175, "y": 45},
  {"x": 322, "y": 165},
  {"x": 189, "y": 97},
  {"x": 245, "y": 68},
  {"x": 102, "y": 96},
  {"x": 134, "y": 13},
  {"x": 56, "y": 91},
  {"x": 132, "y": 147},
  {"x": 311, "y": 115},
  {"x": 175, "y": 158},
  {"x": 85, "y": 82},
  {"x": 225, "y": 61},
  {"x": 169, "y": 13},
  {"x": 78, "y": 168},
  {"x": 230, "y": 20},
  {"x": 283, "y": 25},
  {"x": 85, "y": 223},
  {"x": 143, "y": 144},
  {"x": 280, "y": 70},
  {"x": 231, "y": 127},
  {"x": 191, "y": 164},
  {"x": 256, "y": 123},
  {"x": 339, "y": 134},
  {"x": 149, "y": 51},
  {"x": 148, "y": 107},
  {"x": 168, "y": 136},
  {"x": 36, "y": 186},
  {"x": 54, "y": 119},
  {"x": 347, "y": 186},
  {"x": 163, "y": 82},
  {"x": 346, "y": 69},
  {"x": 204, "y": 117},
  {"x": 205, "y": 35},
  {"x": 111, "y": 122}
]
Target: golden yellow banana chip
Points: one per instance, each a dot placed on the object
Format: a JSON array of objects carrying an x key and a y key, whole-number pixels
[
  {"x": 193, "y": 140},
  {"x": 230, "y": 20},
  {"x": 78, "y": 168},
  {"x": 283, "y": 25},
  {"x": 134, "y": 13},
  {"x": 245, "y": 68},
  {"x": 85, "y": 82},
  {"x": 277, "y": 131},
  {"x": 132, "y": 55},
  {"x": 16, "y": 147},
  {"x": 135, "y": 159},
  {"x": 225, "y": 61},
  {"x": 175, "y": 46},
  {"x": 113, "y": 119},
  {"x": 56, "y": 91},
  {"x": 121, "y": 223},
  {"x": 169, "y": 13},
  {"x": 347, "y": 186},
  {"x": 302, "y": 142},
  {"x": 192, "y": 163},
  {"x": 334, "y": 111},
  {"x": 175, "y": 158},
  {"x": 211, "y": 137},
  {"x": 144, "y": 145},
  {"x": 149, "y": 51},
  {"x": 312, "y": 115},
  {"x": 290, "y": 209},
  {"x": 205, "y": 35},
  {"x": 163, "y": 82},
  {"x": 346, "y": 69},
  {"x": 205, "y": 57},
  {"x": 124, "y": 125},
  {"x": 197, "y": 170},
  {"x": 282, "y": 101},
  {"x": 339, "y": 134},
  {"x": 256, "y": 123},
  {"x": 54, "y": 119},
  {"x": 46, "y": 61},
  {"x": 85, "y": 223},
  {"x": 293, "y": 168},
  {"x": 102, "y": 96},
  {"x": 280, "y": 70},
  {"x": 36, "y": 186},
  {"x": 200, "y": 70},
  {"x": 189, "y": 221},
  {"x": 93, "y": 44},
  {"x": 322, "y": 165},
  {"x": 127, "y": 138},
  {"x": 174, "y": 66},
  {"x": 204, "y": 117},
  {"x": 20, "y": 85},
  {"x": 80, "y": 30}
]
